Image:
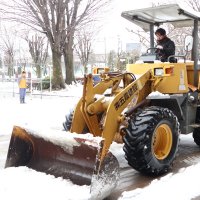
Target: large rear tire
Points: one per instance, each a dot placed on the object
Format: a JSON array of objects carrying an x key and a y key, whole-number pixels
[
  {"x": 68, "y": 122},
  {"x": 151, "y": 140}
]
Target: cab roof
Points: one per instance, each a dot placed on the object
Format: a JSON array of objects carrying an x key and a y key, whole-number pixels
[{"x": 178, "y": 16}]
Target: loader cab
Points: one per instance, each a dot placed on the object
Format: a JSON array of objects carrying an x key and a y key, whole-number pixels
[
  {"x": 151, "y": 56},
  {"x": 179, "y": 16},
  {"x": 182, "y": 83}
]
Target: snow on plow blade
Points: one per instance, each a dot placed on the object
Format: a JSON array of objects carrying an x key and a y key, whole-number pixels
[{"x": 71, "y": 157}]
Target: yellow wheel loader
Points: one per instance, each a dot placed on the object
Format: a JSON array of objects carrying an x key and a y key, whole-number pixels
[{"x": 122, "y": 108}]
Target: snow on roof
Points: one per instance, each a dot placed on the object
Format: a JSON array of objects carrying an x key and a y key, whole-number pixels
[{"x": 177, "y": 15}]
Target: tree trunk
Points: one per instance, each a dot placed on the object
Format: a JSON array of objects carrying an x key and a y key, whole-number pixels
[
  {"x": 10, "y": 70},
  {"x": 85, "y": 68},
  {"x": 38, "y": 71},
  {"x": 58, "y": 81},
  {"x": 69, "y": 62}
]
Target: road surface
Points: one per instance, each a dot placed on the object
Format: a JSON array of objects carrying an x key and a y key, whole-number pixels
[{"x": 188, "y": 154}]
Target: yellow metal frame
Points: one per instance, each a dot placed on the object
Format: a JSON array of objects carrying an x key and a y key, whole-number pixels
[
  {"x": 173, "y": 79},
  {"x": 89, "y": 107},
  {"x": 175, "y": 82}
]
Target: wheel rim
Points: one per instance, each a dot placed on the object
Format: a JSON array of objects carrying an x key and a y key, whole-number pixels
[{"x": 162, "y": 141}]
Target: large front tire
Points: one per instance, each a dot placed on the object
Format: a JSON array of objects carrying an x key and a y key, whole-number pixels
[{"x": 151, "y": 140}]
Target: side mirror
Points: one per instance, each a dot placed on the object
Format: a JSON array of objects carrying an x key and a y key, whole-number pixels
[{"x": 188, "y": 43}]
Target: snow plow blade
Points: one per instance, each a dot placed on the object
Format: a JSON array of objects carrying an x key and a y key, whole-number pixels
[{"x": 69, "y": 156}]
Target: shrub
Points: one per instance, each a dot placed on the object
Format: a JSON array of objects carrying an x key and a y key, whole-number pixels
[{"x": 46, "y": 83}]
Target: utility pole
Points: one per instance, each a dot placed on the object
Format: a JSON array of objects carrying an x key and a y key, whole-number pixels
[
  {"x": 119, "y": 51},
  {"x": 105, "y": 51}
]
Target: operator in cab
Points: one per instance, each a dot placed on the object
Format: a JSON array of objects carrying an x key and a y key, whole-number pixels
[{"x": 165, "y": 46}]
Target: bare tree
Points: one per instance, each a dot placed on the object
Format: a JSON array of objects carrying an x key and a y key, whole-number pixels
[
  {"x": 48, "y": 17},
  {"x": 112, "y": 59},
  {"x": 195, "y": 4},
  {"x": 142, "y": 35},
  {"x": 38, "y": 48},
  {"x": 78, "y": 14},
  {"x": 83, "y": 48},
  {"x": 7, "y": 45},
  {"x": 120, "y": 55},
  {"x": 58, "y": 19}
]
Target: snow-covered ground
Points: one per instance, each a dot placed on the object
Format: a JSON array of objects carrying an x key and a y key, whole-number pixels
[{"x": 48, "y": 113}]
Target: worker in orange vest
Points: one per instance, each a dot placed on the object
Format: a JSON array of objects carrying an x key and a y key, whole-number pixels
[{"x": 22, "y": 87}]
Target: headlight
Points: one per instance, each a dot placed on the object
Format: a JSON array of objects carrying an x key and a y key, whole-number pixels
[{"x": 158, "y": 71}]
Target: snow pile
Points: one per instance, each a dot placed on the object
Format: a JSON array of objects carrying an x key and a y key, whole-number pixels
[
  {"x": 36, "y": 113},
  {"x": 22, "y": 183},
  {"x": 66, "y": 140},
  {"x": 177, "y": 186},
  {"x": 117, "y": 151},
  {"x": 158, "y": 95}
]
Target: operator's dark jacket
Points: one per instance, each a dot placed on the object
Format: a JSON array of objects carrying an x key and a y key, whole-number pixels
[{"x": 168, "y": 49}]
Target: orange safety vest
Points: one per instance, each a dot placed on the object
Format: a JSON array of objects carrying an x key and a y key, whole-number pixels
[{"x": 22, "y": 83}]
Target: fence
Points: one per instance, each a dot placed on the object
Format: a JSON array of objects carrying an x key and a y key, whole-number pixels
[{"x": 36, "y": 87}]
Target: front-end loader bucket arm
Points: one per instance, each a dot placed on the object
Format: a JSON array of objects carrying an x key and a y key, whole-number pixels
[
  {"x": 88, "y": 107},
  {"x": 81, "y": 118},
  {"x": 132, "y": 93}
]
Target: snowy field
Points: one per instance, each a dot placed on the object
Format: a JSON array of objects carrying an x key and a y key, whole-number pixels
[{"x": 48, "y": 113}]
